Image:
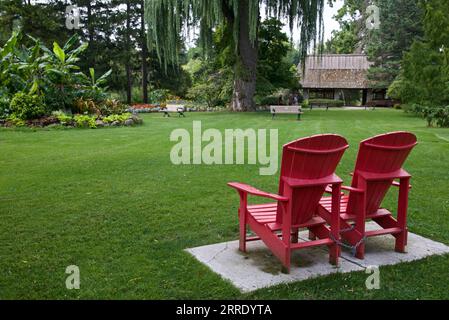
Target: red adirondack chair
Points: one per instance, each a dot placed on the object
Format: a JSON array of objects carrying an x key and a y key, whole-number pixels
[
  {"x": 378, "y": 165},
  {"x": 308, "y": 166}
]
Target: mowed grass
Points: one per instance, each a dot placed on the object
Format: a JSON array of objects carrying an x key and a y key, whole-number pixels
[{"x": 111, "y": 202}]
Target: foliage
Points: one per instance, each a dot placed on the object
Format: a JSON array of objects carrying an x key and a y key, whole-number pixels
[
  {"x": 270, "y": 100},
  {"x": 15, "y": 121},
  {"x": 41, "y": 19},
  {"x": 273, "y": 69},
  {"x": 167, "y": 18},
  {"x": 117, "y": 117},
  {"x": 424, "y": 77},
  {"x": 105, "y": 107},
  {"x": 350, "y": 37},
  {"x": 85, "y": 121},
  {"x": 26, "y": 106},
  {"x": 433, "y": 115},
  {"x": 158, "y": 95},
  {"x": 401, "y": 24},
  {"x": 96, "y": 89},
  {"x": 210, "y": 90},
  {"x": 53, "y": 76},
  {"x": 212, "y": 74},
  {"x": 305, "y": 104},
  {"x": 240, "y": 21},
  {"x": 4, "y": 106},
  {"x": 327, "y": 102},
  {"x": 111, "y": 106},
  {"x": 63, "y": 118}
]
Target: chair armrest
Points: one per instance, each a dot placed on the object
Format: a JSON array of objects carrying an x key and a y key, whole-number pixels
[
  {"x": 256, "y": 192},
  {"x": 399, "y": 174}
]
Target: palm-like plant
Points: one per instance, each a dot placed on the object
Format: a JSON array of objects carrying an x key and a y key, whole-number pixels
[{"x": 52, "y": 74}]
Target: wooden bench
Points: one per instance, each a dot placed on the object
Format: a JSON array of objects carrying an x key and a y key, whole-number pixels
[
  {"x": 173, "y": 108},
  {"x": 286, "y": 110}
]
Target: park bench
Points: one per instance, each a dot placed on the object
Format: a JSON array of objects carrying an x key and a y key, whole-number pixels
[
  {"x": 286, "y": 110},
  {"x": 173, "y": 108}
]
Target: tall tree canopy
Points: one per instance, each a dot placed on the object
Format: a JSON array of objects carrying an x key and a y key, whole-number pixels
[
  {"x": 424, "y": 77},
  {"x": 401, "y": 24},
  {"x": 167, "y": 19},
  {"x": 351, "y": 36}
]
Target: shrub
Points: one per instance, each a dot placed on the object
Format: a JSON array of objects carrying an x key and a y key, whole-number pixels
[
  {"x": 158, "y": 95},
  {"x": 53, "y": 74},
  {"x": 121, "y": 118},
  {"x": 63, "y": 119},
  {"x": 85, "y": 121},
  {"x": 428, "y": 114},
  {"x": 305, "y": 104},
  {"x": 110, "y": 106},
  {"x": 16, "y": 121},
  {"x": 4, "y": 107},
  {"x": 26, "y": 107},
  {"x": 104, "y": 108},
  {"x": 434, "y": 115},
  {"x": 415, "y": 109},
  {"x": 267, "y": 100},
  {"x": 327, "y": 102},
  {"x": 441, "y": 117},
  {"x": 84, "y": 106}
]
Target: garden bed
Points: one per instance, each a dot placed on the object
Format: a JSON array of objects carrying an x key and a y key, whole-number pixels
[{"x": 59, "y": 119}]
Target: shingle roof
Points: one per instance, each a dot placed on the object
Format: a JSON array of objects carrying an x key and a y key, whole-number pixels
[{"x": 340, "y": 71}]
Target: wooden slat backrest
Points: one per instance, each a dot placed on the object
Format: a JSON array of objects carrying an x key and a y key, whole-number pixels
[
  {"x": 310, "y": 158},
  {"x": 380, "y": 155},
  {"x": 285, "y": 109}
]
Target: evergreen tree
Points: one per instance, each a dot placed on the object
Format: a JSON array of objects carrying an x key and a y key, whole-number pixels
[
  {"x": 42, "y": 19},
  {"x": 401, "y": 23},
  {"x": 424, "y": 78}
]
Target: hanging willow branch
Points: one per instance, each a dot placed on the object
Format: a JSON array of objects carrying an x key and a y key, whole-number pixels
[{"x": 167, "y": 19}]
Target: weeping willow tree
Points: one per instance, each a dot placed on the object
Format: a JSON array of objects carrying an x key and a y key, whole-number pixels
[{"x": 168, "y": 19}]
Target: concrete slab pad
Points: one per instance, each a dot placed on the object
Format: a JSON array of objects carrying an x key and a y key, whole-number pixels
[
  {"x": 260, "y": 269},
  {"x": 380, "y": 250}
]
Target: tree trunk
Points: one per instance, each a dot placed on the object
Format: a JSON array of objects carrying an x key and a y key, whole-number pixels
[
  {"x": 144, "y": 53},
  {"x": 128, "y": 55},
  {"x": 246, "y": 66},
  {"x": 91, "y": 30}
]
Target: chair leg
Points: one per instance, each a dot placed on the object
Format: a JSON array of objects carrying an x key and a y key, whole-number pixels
[
  {"x": 242, "y": 220},
  {"x": 360, "y": 227},
  {"x": 286, "y": 264},
  {"x": 360, "y": 253},
  {"x": 401, "y": 241},
  {"x": 334, "y": 254}
]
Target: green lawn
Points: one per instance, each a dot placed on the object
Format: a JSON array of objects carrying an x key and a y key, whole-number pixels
[{"x": 111, "y": 202}]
